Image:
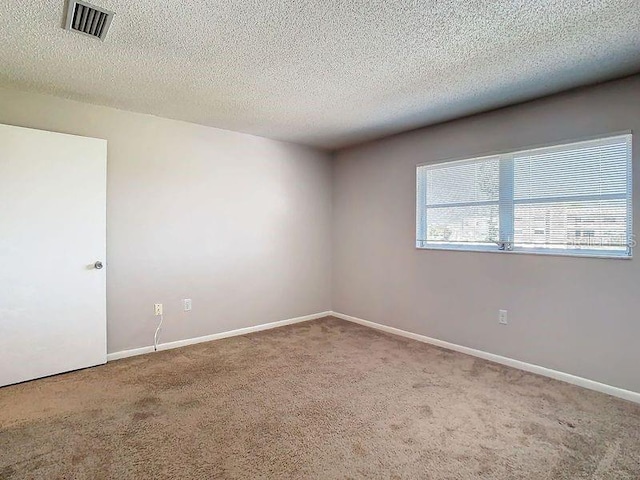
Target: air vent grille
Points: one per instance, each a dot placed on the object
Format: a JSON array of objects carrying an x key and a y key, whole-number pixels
[{"x": 85, "y": 18}]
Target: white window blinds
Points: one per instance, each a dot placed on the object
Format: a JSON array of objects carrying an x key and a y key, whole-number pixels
[
  {"x": 572, "y": 199},
  {"x": 460, "y": 202}
]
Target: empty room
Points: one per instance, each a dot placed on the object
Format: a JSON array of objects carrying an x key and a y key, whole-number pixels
[{"x": 354, "y": 239}]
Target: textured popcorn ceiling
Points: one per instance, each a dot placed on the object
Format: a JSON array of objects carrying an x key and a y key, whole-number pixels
[{"x": 327, "y": 73}]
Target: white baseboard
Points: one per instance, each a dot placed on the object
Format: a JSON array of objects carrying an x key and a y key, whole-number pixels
[
  {"x": 215, "y": 336},
  {"x": 528, "y": 367},
  {"x": 129, "y": 353}
]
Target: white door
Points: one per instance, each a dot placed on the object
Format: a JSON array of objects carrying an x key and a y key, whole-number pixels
[{"x": 52, "y": 231}]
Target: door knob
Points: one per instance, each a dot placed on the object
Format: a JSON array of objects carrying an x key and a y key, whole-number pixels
[{"x": 98, "y": 265}]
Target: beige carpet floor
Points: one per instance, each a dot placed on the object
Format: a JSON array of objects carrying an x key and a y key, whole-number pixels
[{"x": 326, "y": 400}]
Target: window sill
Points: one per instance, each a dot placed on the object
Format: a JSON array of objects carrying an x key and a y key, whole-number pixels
[{"x": 532, "y": 251}]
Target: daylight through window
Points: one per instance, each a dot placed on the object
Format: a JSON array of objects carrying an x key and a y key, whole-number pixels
[{"x": 569, "y": 199}]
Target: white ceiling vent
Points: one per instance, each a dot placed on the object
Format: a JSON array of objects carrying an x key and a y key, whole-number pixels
[{"x": 82, "y": 17}]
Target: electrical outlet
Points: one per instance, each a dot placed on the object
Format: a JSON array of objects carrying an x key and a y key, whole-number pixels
[
  {"x": 157, "y": 308},
  {"x": 186, "y": 303},
  {"x": 502, "y": 317}
]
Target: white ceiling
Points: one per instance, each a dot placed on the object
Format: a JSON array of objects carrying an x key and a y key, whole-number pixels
[{"x": 327, "y": 73}]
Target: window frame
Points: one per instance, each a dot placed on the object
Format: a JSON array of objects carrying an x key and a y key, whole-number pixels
[{"x": 506, "y": 196}]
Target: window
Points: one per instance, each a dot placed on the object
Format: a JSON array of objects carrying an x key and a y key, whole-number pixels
[{"x": 566, "y": 199}]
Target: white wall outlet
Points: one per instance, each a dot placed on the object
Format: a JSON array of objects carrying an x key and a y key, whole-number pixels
[
  {"x": 502, "y": 317},
  {"x": 157, "y": 308},
  {"x": 186, "y": 303}
]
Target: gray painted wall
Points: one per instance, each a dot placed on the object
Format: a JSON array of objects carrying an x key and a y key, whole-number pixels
[
  {"x": 238, "y": 223},
  {"x": 576, "y": 315}
]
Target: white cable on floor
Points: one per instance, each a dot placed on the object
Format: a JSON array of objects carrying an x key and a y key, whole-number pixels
[{"x": 155, "y": 336}]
